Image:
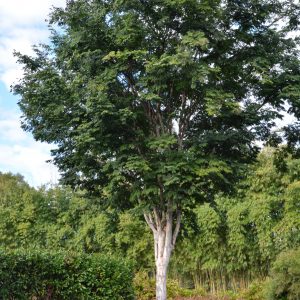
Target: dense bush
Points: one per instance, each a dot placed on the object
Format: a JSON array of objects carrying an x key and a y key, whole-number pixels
[
  {"x": 145, "y": 288},
  {"x": 253, "y": 292},
  {"x": 284, "y": 283},
  {"x": 36, "y": 275}
]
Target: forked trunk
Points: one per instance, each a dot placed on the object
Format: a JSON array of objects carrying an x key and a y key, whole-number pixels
[{"x": 161, "y": 224}]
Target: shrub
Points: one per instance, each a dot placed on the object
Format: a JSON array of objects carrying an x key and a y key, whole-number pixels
[
  {"x": 42, "y": 275},
  {"x": 145, "y": 288},
  {"x": 253, "y": 292},
  {"x": 175, "y": 290},
  {"x": 284, "y": 283}
]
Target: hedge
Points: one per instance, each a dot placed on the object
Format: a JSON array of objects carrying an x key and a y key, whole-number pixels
[{"x": 44, "y": 275}]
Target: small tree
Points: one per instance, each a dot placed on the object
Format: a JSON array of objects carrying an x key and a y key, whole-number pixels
[{"x": 153, "y": 104}]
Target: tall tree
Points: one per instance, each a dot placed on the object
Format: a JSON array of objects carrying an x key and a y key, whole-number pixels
[{"x": 153, "y": 104}]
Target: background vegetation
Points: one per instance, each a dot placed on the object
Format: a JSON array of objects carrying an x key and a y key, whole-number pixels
[{"x": 232, "y": 244}]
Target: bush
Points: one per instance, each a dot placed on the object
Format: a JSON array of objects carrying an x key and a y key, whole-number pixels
[
  {"x": 145, "y": 288},
  {"x": 41, "y": 275},
  {"x": 253, "y": 292},
  {"x": 284, "y": 283}
]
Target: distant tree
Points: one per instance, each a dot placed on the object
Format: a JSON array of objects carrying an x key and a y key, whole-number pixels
[
  {"x": 16, "y": 210},
  {"x": 153, "y": 104}
]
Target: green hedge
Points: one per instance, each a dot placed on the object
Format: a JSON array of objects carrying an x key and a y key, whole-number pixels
[{"x": 41, "y": 275}]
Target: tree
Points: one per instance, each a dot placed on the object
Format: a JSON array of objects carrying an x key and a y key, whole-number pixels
[
  {"x": 155, "y": 104},
  {"x": 16, "y": 209}
]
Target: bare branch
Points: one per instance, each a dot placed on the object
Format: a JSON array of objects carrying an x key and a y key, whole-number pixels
[
  {"x": 169, "y": 229},
  {"x": 158, "y": 219},
  {"x": 155, "y": 246},
  {"x": 149, "y": 221}
]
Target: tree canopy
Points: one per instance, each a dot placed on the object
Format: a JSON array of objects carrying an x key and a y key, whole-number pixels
[{"x": 139, "y": 94}]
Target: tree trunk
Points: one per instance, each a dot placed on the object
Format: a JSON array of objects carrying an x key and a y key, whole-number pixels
[
  {"x": 164, "y": 247},
  {"x": 161, "y": 279},
  {"x": 161, "y": 224}
]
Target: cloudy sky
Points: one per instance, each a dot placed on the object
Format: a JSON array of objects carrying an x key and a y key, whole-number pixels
[{"x": 22, "y": 24}]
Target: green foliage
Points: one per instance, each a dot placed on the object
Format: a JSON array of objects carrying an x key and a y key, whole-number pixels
[
  {"x": 57, "y": 218},
  {"x": 175, "y": 290},
  {"x": 145, "y": 288},
  {"x": 227, "y": 244},
  {"x": 254, "y": 292},
  {"x": 224, "y": 245},
  {"x": 48, "y": 275},
  {"x": 17, "y": 210},
  {"x": 134, "y": 240},
  {"x": 284, "y": 283}
]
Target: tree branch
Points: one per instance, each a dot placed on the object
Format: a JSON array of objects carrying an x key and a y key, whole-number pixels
[
  {"x": 169, "y": 230},
  {"x": 158, "y": 219},
  {"x": 177, "y": 227},
  {"x": 150, "y": 222}
]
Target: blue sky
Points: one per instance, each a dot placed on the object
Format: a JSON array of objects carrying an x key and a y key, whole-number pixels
[{"x": 22, "y": 24}]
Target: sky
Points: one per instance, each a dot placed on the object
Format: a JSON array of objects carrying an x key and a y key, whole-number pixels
[{"x": 22, "y": 24}]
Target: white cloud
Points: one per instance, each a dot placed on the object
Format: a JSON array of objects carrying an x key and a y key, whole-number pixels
[
  {"x": 10, "y": 131},
  {"x": 30, "y": 161},
  {"x": 22, "y": 24},
  {"x": 20, "y": 153},
  {"x": 20, "y": 40},
  {"x": 20, "y": 12}
]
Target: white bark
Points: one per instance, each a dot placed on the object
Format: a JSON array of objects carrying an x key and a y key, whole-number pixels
[
  {"x": 164, "y": 242},
  {"x": 161, "y": 279}
]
